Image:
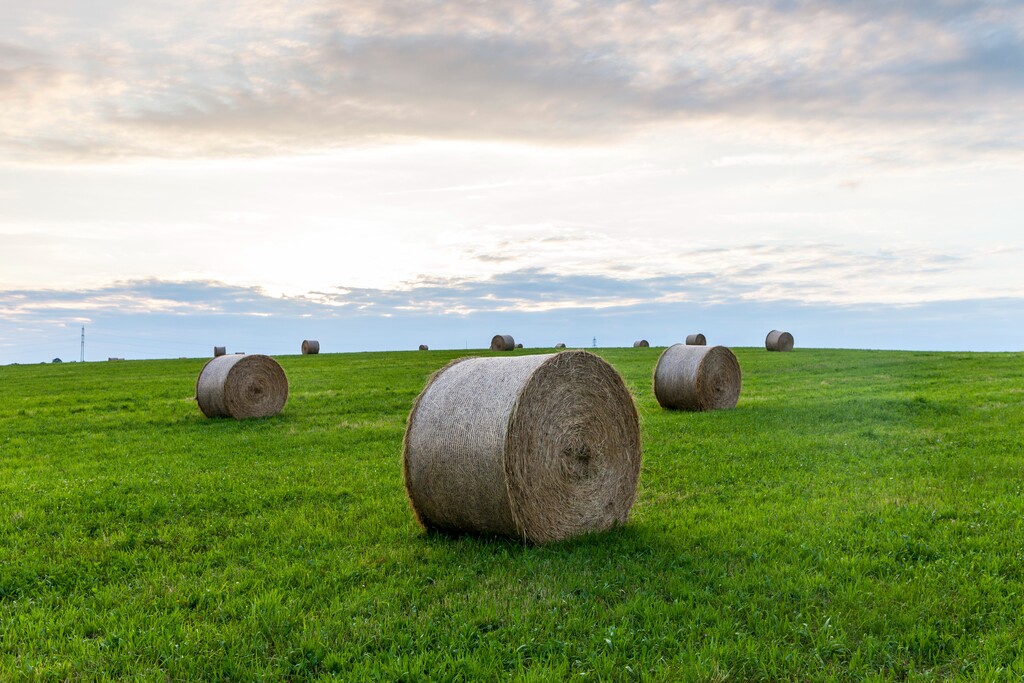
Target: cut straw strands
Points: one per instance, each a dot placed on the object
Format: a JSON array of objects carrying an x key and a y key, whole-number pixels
[
  {"x": 641, "y": 344},
  {"x": 241, "y": 387},
  {"x": 540, "y": 448},
  {"x": 219, "y": 351},
  {"x": 424, "y": 347},
  {"x": 778, "y": 341},
  {"x": 502, "y": 342},
  {"x": 697, "y": 378},
  {"x": 696, "y": 340},
  {"x": 310, "y": 347}
]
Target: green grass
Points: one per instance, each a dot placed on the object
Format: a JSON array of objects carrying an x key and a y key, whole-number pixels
[{"x": 859, "y": 516}]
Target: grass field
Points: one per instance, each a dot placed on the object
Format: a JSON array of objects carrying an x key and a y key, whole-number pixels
[{"x": 859, "y": 515}]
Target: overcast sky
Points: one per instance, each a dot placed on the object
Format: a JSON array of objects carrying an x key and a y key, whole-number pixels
[{"x": 383, "y": 174}]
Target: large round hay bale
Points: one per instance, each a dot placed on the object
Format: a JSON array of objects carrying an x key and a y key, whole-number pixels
[
  {"x": 241, "y": 386},
  {"x": 697, "y": 378},
  {"x": 502, "y": 342},
  {"x": 641, "y": 344},
  {"x": 541, "y": 447},
  {"x": 424, "y": 347},
  {"x": 310, "y": 347},
  {"x": 559, "y": 345},
  {"x": 696, "y": 340},
  {"x": 778, "y": 341},
  {"x": 219, "y": 351}
]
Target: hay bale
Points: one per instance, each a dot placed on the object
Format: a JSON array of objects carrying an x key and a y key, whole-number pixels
[
  {"x": 424, "y": 347},
  {"x": 559, "y": 345},
  {"x": 541, "y": 447},
  {"x": 519, "y": 345},
  {"x": 640, "y": 344},
  {"x": 696, "y": 340},
  {"x": 502, "y": 342},
  {"x": 778, "y": 341},
  {"x": 697, "y": 378},
  {"x": 241, "y": 386},
  {"x": 310, "y": 347},
  {"x": 219, "y": 351}
]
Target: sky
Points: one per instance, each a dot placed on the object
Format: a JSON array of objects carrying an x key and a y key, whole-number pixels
[{"x": 379, "y": 175}]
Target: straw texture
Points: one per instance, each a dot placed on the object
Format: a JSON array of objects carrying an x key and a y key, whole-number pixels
[
  {"x": 697, "y": 378},
  {"x": 424, "y": 347},
  {"x": 541, "y": 447},
  {"x": 241, "y": 387},
  {"x": 310, "y": 347},
  {"x": 502, "y": 342},
  {"x": 219, "y": 351},
  {"x": 696, "y": 339},
  {"x": 641, "y": 344},
  {"x": 778, "y": 341}
]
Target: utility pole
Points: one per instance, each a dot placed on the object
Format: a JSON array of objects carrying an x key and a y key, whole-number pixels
[{"x": 81, "y": 357}]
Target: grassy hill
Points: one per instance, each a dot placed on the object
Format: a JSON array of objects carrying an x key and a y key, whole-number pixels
[{"x": 859, "y": 515}]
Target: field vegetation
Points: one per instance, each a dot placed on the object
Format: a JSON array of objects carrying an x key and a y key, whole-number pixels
[{"x": 858, "y": 516}]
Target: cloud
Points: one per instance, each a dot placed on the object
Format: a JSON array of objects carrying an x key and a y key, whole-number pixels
[{"x": 245, "y": 78}]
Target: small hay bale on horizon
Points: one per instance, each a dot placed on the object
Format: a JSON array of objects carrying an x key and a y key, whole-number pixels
[
  {"x": 424, "y": 347},
  {"x": 697, "y": 339},
  {"x": 241, "y": 387},
  {"x": 641, "y": 344},
  {"x": 778, "y": 341},
  {"x": 219, "y": 351},
  {"x": 560, "y": 345},
  {"x": 310, "y": 347},
  {"x": 540, "y": 447},
  {"x": 697, "y": 378},
  {"x": 502, "y": 342}
]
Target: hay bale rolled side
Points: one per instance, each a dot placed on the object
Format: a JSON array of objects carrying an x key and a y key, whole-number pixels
[
  {"x": 241, "y": 387},
  {"x": 696, "y": 340},
  {"x": 697, "y": 378},
  {"x": 778, "y": 341},
  {"x": 641, "y": 344},
  {"x": 559, "y": 345},
  {"x": 502, "y": 342},
  {"x": 519, "y": 345},
  {"x": 310, "y": 347},
  {"x": 541, "y": 448},
  {"x": 219, "y": 351},
  {"x": 424, "y": 347}
]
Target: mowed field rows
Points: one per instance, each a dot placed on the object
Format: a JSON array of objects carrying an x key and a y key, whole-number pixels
[{"x": 859, "y": 515}]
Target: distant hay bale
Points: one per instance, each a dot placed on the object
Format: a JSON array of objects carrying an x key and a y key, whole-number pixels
[
  {"x": 219, "y": 351},
  {"x": 697, "y": 378},
  {"x": 424, "y": 347},
  {"x": 502, "y": 342},
  {"x": 641, "y": 344},
  {"x": 519, "y": 345},
  {"x": 778, "y": 341},
  {"x": 241, "y": 387},
  {"x": 559, "y": 345},
  {"x": 541, "y": 448},
  {"x": 696, "y": 339},
  {"x": 310, "y": 347}
]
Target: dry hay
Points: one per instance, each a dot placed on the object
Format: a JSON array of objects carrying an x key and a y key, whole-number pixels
[
  {"x": 241, "y": 386},
  {"x": 310, "y": 347},
  {"x": 519, "y": 345},
  {"x": 778, "y": 341},
  {"x": 641, "y": 344},
  {"x": 502, "y": 342},
  {"x": 696, "y": 340},
  {"x": 219, "y": 351},
  {"x": 424, "y": 347},
  {"x": 559, "y": 345},
  {"x": 697, "y": 378},
  {"x": 541, "y": 448}
]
